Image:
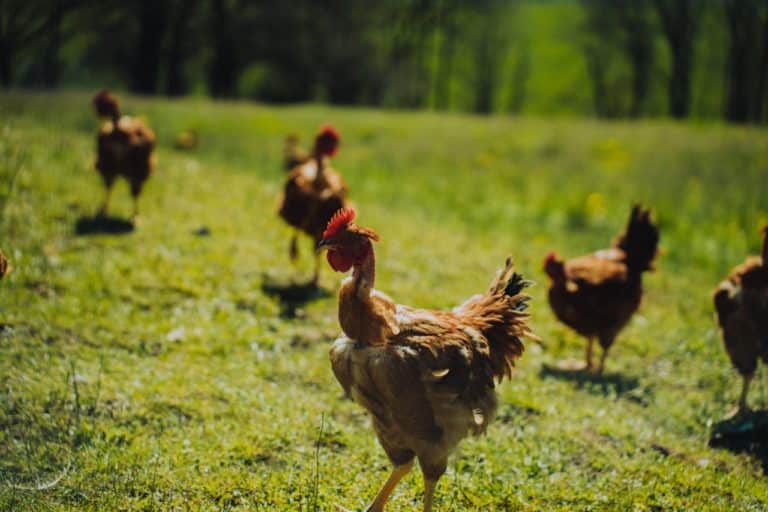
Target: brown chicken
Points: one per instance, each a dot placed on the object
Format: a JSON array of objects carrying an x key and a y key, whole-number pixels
[
  {"x": 741, "y": 302},
  {"x": 125, "y": 148},
  {"x": 426, "y": 377},
  {"x": 5, "y": 267},
  {"x": 596, "y": 295},
  {"x": 313, "y": 192}
]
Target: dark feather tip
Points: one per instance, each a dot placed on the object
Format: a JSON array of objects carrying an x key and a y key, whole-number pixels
[
  {"x": 516, "y": 284},
  {"x": 521, "y": 306}
]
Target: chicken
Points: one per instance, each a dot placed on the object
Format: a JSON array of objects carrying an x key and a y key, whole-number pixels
[
  {"x": 125, "y": 148},
  {"x": 426, "y": 377},
  {"x": 596, "y": 295},
  {"x": 313, "y": 192},
  {"x": 186, "y": 140},
  {"x": 5, "y": 267},
  {"x": 741, "y": 302}
]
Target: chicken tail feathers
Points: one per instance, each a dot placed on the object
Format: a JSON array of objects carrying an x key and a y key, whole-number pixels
[
  {"x": 725, "y": 304},
  {"x": 500, "y": 315},
  {"x": 640, "y": 240}
]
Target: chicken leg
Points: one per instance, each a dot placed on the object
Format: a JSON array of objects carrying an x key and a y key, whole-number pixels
[
  {"x": 742, "y": 405},
  {"x": 601, "y": 366},
  {"x": 293, "y": 247},
  {"x": 429, "y": 493},
  {"x": 102, "y": 211},
  {"x": 377, "y": 505},
  {"x": 135, "y": 216},
  {"x": 136, "y": 186},
  {"x": 606, "y": 341},
  {"x": 590, "y": 342}
]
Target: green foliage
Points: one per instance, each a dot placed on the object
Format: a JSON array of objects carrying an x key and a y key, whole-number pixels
[
  {"x": 149, "y": 372},
  {"x": 607, "y": 58}
]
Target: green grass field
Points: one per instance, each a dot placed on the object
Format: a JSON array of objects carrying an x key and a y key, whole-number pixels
[{"x": 149, "y": 371}]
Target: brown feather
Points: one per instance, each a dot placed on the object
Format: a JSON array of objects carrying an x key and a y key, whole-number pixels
[
  {"x": 125, "y": 148},
  {"x": 597, "y": 294},
  {"x": 311, "y": 197},
  {"x": 741, "y": 303},
  {"x": 427, "y": 377},
  {"x": 4, "y": 265}
]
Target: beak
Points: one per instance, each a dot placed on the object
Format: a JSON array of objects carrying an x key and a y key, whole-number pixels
[{"x": 323, "y": 244}]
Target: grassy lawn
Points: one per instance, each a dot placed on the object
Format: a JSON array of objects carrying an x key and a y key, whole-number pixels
[{"x": 149, "y": 371}]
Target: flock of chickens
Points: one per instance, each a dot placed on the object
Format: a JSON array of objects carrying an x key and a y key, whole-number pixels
[{"x": 428, "y": 377}]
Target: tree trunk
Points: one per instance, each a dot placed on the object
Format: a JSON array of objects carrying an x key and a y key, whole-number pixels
[
  {"x": 146, "y": 66},
  {"x": 762, "y": 84},
  {"x": 520, "y": 76},
  {"x": 679, "y": 21},
  {"x": 741, "y": 79},
  {"x": 487, "y": 55},
  {"x": 51, "y": 64},
  {"x": 596, "y": 71},
  {"x": 639, "y": 49},
  {"x": 6, "y": 64},
  {"x": 444, "y": 72},
  {"x": 680, "y": 82},
  {"x": 176, "y": 81},
  {"x": 486, "y": 78},
  {"x": 223, "y": 71}
]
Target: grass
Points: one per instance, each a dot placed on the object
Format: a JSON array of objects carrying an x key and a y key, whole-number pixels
[{"x": 149, "y": 371}]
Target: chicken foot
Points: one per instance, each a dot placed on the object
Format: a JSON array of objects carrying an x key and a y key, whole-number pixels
[
  {"x": 377, "y": 505},
  {"x": 429, "y": 493},
  {"x": 742, "y": 404},
  {"x": 135, "y": 216},
  {"x": 102, "y": 211}
]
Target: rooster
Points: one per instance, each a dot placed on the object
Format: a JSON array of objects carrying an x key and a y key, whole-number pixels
[
  {"x": 741, "y": 302},
  {"x": 125, "y": 148},
  {"x": 426, "y": 377},
  {"x": 596, "y": 295},
  {"x": 313, "y": 192}
]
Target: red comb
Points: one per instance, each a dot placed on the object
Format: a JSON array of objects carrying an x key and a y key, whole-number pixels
[
  {"x": 341, "y": 218},
  {"x": 327, "y": 141}
]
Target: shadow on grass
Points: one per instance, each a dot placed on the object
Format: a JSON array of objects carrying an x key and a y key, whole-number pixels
[
  {"x": 103, "y": 225},
  {"x": 745, "y": 434},
  {"x": 292, "y": 294},
  {"x": 606, "y": 383}
]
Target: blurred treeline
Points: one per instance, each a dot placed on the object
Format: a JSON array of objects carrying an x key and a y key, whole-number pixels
[{"x": 610, "y": 58}]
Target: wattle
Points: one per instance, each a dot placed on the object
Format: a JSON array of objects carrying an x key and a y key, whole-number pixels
[{"x": 338, "y": 261}]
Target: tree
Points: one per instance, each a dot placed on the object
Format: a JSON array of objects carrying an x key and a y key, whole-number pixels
[
  {"x": 178, "y": 47},
  {"x": 679, "y": 20},
  {"x": 22, "y": 23},
  {"x": 447, "y": 26},
  {"x": 603, "y": 57},
  {"x": 637, "y": 34},
  {"x": 227, "y": 60},
  {"x": 153, "y": 21},
  {"x": 620, "y": 37},
  {"x": 746, "y": 67},
  {"x": 762, "y": 84},
  {"x": 490, "y": 46}
]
